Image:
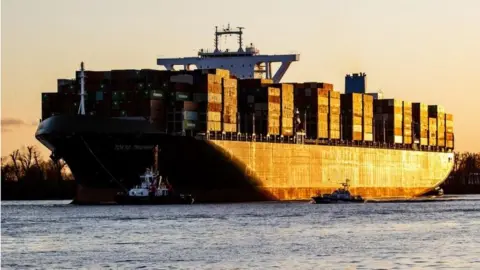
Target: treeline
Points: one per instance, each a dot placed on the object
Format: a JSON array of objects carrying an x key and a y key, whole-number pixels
[
  {"x": 26, "y": 176},
  {"x": 465, "y": 176}
]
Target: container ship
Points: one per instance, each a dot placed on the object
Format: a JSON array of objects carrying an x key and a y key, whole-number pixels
[{"x": 224, "y": 128}]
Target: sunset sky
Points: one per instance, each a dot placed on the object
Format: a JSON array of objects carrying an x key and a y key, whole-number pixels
[{"x": 426, "y": 51}]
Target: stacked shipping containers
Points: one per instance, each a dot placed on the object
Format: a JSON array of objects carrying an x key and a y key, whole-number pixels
[
  {"x": 432, "y": 131},
  {"x": 367, "y": 118},
  {"x": 407, "y": 122},
  {"x": 334, "y": 115},
  {"x": 388, "y": 120},
  {"x": 158, "y": 107},
  {"x": 208, "y": 100},
  {"x": 151, "y": 96},
  {"x": 352, "y": 114},
  {"x": 322, "y": 116},
  {"x": 182, "y": 103},
  {"x": 259, "y": 104},
  {"x": 196, "y": 101},
  {"x": 420, "y": 117},
  {"x": 272, "y": 113},
  {"x": 287, "y": 108},
  {"x": 246, "y": 103},
  {"x": 438, "y": 112},
  {"x": 50, "y": 105},
  {"x": 315, "y": 102},
  {"x": 229, "y": 105},
  {"x": 68, "y": 96},
  {"x": 449, "y": 130}
]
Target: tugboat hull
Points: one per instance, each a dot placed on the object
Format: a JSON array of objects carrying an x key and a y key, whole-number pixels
[{"x": 329, "y": 201}]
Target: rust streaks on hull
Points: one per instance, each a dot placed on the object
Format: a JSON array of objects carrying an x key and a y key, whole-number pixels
[{"x": 292, "y": 171}]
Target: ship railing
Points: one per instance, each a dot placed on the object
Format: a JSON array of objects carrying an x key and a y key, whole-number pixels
[{"x": 234, "y": 136}]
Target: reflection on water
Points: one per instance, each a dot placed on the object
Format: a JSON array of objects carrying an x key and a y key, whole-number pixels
[{"x": 430, "y": 235}]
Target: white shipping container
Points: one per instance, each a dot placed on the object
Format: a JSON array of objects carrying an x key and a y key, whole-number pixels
[{"x": 398, "y": 139}]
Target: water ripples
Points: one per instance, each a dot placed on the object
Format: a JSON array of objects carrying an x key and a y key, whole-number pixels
[{"x": 53, "y": 235}]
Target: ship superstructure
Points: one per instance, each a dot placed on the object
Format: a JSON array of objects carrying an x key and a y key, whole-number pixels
[{"x": 244, "y": 63}]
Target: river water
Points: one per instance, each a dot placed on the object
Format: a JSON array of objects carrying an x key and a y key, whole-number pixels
[{"x": 279, "y": 235}]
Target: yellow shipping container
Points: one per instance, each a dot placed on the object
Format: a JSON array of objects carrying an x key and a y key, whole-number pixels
[
  {"x": 214, "y": 98},
  {"x": 230, "y": 127},
  {"x": 214, "y": 126},
  {"x": 432, "y": 131},
  {"x": 214, "y": 116},
  {"x": 335, "y": 134}
]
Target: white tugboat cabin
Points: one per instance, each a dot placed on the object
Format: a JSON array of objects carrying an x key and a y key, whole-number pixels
[{"x": 148, "y": 185}]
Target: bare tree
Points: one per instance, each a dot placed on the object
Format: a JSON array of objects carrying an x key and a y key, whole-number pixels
[
  {"x": 15, "y": 156},
  {"x": 26, "y": 158}
]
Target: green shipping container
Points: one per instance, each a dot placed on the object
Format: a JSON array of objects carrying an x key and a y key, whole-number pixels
[
  {"x": 188, "y": 125},
  {"x": 182, "y": 96},
  {"x": 157, "y": 94}
]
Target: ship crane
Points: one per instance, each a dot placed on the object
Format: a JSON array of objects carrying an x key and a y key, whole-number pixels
[{"x": 244, "y": 63}]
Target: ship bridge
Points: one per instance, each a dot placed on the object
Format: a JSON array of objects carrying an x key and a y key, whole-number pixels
[{"x": 243, "y": 63}]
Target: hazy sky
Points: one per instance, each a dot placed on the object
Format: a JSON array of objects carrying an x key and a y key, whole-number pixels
[{"x": 426, "y": 51}]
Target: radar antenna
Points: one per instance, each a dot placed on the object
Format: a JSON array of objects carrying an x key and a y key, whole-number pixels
[
  {"x": 81, "y": 108},
  {"x": 229, "y": 31}
]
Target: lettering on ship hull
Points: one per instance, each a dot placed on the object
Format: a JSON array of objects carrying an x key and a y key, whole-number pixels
[{"x": 135, "y": 147}]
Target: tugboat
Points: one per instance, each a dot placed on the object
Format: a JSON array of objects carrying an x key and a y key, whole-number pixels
[
  {"x": 151, "y": 193},
  {"x": 341, "y": 195}
]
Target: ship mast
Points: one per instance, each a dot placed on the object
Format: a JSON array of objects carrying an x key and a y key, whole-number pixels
[
  {"x": 81, "y": 108},
  {"x": 229, "y": 31}
]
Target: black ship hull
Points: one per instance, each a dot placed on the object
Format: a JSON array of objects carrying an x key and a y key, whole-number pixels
[{"x": 106, "y": 156}]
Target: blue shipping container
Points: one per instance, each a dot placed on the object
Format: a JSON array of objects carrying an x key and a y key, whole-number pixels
[{"x": 190, "y": 116}]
